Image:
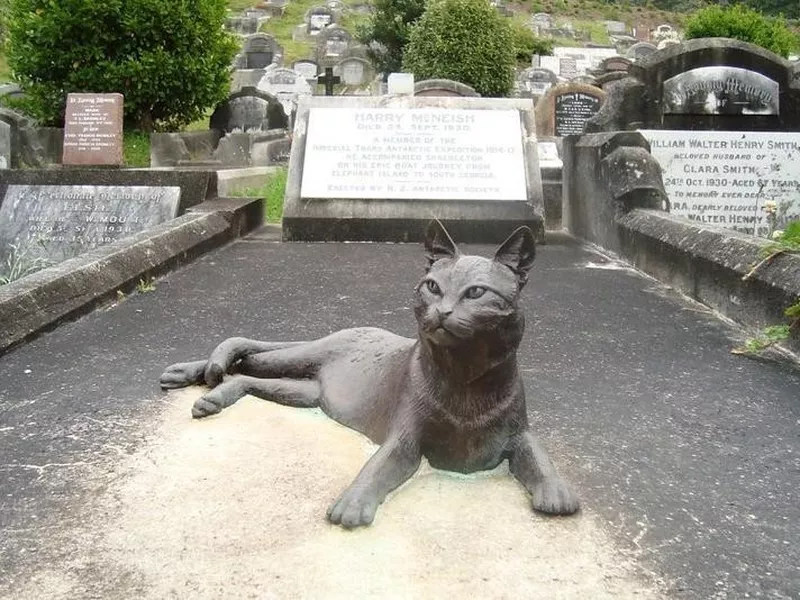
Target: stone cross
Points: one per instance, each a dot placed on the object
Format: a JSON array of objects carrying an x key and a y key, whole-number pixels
[{"x": 329, "y": 79}]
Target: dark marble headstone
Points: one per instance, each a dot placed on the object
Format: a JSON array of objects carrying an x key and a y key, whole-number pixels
[
  {"x": 565, "y": 109},
  {"x": 720, "y": 90},
  {"x": 572, "y": 111},
  {"x": 58, "y": 222},
  {"x": 259, "y": 51},
  {"x": 249, "y": 110},
  {"x": 715, "y": 84}
]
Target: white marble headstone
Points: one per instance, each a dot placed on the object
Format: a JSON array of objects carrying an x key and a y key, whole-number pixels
[
  {"x": 401, "y": 83},
  {"x": 723, "y": 178},
  {"x": 424, "y": 154},
  {"x": 286, "y": 85}
]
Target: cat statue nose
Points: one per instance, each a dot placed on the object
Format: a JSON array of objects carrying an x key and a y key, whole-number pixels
[{"x": 444, "y": 311}]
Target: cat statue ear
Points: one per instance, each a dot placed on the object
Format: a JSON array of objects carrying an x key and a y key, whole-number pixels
[
  {"x": 438, "y": 243},
  {"x": 518, "y": 253}
]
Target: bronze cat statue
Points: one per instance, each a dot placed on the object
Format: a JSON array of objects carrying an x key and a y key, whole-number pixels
[{"x": 453, "y": 395}]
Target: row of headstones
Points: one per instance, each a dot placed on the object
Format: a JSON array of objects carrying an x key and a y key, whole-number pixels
[
  {"x": 261, "y": 50},
  {"x": 720, "y": 116},
  {"x": 543, "y": 24},
  {"x": 597, "y": 66}
]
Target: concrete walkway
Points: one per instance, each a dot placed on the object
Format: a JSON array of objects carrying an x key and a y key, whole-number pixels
[{"x": 687, "y": 458}]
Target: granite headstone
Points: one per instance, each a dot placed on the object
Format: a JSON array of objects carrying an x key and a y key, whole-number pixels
[
  {"x": 249, "y": 110},
  {"x": 58, "y": 222},
  {"x": 93, "y": 129}
]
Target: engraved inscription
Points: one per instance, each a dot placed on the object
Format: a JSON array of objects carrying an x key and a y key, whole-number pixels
[
  {"x": 414, "y": 153},
  {"x": 57, "y": 222},
  {"x": 725, "y": 178}
]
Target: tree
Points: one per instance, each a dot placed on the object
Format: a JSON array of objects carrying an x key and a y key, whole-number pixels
[
  {"x": 171, "y": 60},
  {"x": 526, "y": 44},
  {"x": 386, "y": 31},
  {"x": 744, "y": 24},
  {"x": 464, "y": 40}
]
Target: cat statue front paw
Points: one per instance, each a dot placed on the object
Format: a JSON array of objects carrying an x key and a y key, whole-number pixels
[
  {"x": 354, "y": 508},
  {"x": 555, "y": 497}
]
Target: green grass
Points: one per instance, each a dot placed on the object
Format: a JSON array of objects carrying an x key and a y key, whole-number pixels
[
  {"x": 5, "y": 71},
  {"x": 136, "y": 149},
  {"x": 273, "y": 192},
  {"x": 282, "y": 28}
]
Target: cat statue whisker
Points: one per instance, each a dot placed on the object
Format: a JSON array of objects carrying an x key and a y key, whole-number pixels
[{"x": 453, "y": 395}]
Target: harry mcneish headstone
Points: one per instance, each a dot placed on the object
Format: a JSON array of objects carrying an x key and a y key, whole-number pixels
[{"x": 378, "y": 168}]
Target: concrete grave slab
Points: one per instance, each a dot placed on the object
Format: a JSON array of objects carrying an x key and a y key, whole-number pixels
[{"x": 355, "y": 175}]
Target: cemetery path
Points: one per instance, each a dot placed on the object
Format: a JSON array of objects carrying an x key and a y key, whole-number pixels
[{"x": 687, "y": 458}]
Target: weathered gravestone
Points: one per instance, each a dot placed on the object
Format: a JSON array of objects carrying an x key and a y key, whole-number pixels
[
  {"x": 377, "y": 168},
  {"x": 724, "y": 178},
  {"x": 286, "y": 85},
  {"x": 52, "y": 223},
  {"x": 534, "y": 82},
  {"x": 332, "y": 43},
  {"x": 308, "y": 69},
  {"x": 318, "y": 18},
  {"x": 354, "y": 71},
  {"x": 249, "y": 110},
  {"x": 542, "y": 22},
  {"x": 641, "y": 50},
  {"x": 5, "y": 145},
  {"x": 568, "y": 68},
  {"x": 706, "y": 84},
  {"x": 551, "y": 63},
  {"x": 93, "y": 129},
  {"x": 443, "y": 87},
  {"x": 242, "y": 25},
  {"x": 616, "y": 27},
  {"x": 565, "y": 109},
  {"x": 259, "y": 51},
  {"x": 613, "y": 64}
]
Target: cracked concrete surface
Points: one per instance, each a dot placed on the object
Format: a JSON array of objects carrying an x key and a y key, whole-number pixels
[{"x": 233, "y": 507}]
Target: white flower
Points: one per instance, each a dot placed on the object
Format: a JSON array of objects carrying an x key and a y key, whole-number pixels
[
  {"x": 770, "y": 207},
  {"x": 777, "y": 234}
]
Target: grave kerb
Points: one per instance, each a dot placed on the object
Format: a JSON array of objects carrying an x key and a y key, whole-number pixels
[{"x": 382, "y": 219}]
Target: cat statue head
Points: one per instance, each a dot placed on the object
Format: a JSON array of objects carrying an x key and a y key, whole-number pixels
[{"x": 471, "y": 302}]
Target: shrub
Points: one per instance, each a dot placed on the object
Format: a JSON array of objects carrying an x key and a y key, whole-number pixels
[
  {"x": 171, "y": 60},
  {"x": 526, "y": 44},
  {"x": 386, "y": 31},
  {"x": 464, "y": 40},
  {"x": 742, "y": 23}
]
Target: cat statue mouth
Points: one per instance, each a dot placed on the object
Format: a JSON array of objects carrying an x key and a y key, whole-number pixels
[
  {"x": 454, "y": 394},
  {"x": 441, "y": 336}
]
